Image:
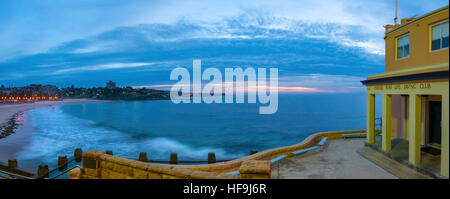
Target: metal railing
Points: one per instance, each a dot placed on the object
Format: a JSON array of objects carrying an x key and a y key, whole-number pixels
[
  {"x": 10, "y": 175},
  {"x": 60, "y": 169},
  {"x": 66, "y": 171},
  {"x": 183, "y": 161}
]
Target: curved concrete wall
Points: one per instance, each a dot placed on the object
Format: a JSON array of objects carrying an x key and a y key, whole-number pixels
[
  {"x": 233, "y": 165},
  {"x": 99, "y": 165}
]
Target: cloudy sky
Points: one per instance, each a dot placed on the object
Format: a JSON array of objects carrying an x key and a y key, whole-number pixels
[{"x": 327, "y": 45}]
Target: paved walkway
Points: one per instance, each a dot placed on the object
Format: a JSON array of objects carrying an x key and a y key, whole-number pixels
[
  {"x": 394, "y": 167},
  {"x": 338, "y": 160}
]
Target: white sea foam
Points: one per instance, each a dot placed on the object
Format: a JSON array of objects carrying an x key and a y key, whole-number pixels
[{"x": 58, "y": 133}]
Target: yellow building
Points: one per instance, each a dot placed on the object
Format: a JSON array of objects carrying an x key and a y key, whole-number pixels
[{"x": 415, "y": 93}]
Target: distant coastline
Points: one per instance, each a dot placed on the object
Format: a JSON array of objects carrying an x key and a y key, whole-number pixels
[
  {"x": 37, "y": 92},
  {"x": 112, "y": 92}
]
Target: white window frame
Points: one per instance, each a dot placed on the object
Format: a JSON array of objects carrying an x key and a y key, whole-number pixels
[
  {"x": 431, "y": 36},
  {"x": 396, "y": 46}
]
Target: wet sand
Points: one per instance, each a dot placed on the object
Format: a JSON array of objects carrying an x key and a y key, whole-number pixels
[
  {"x": 7, "y": 110},
  {"x": 13, "y": 143},
  {"x": 339, "y": 160}
]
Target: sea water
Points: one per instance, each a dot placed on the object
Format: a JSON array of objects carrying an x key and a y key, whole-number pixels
[{"x": 191, "y": 130}]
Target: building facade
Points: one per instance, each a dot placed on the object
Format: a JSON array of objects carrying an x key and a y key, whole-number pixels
[
  {"x": 110, "y": 84},
  {"x": 32, "y": 92},
  {"x": 415, "y": 91}
]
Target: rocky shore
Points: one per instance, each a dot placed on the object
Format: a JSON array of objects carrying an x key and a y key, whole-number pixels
[{"x": 8, "y": 128}]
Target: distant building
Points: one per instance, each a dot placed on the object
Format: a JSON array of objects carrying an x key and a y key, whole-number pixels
[
  {"x": 110, "y": 84},
  {"x": 5, "y": 92},
  {"x": 415, "y": 93},
  {"x": 32, "y": 92}
]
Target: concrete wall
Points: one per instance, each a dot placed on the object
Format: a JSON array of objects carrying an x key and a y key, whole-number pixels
[{"x": 99, "y": 165}]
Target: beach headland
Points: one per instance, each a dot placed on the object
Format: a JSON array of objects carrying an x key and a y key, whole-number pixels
[{"x": 10, "y": 145}]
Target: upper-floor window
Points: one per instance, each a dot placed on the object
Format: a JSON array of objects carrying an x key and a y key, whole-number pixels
[
  {"x": 439, "y": 36},
  {"x": 403, "y": 46}
]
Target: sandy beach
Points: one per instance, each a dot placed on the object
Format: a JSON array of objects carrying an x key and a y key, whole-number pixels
[
  {"x": 13, "y": 143},
  {"x": 7, "y": 110}
]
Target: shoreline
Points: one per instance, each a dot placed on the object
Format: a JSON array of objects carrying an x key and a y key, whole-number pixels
[
  {"x": 8, "y": 110},
  {"x": 14, "y": 141}
]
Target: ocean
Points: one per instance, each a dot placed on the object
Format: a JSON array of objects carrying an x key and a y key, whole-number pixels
[{"x": 191, "y": 130}]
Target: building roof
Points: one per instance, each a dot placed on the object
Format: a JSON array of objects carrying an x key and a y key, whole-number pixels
[
  {"x": 435, "y": 70},
  {"x": 417, "y": 19},
  {"x": 410, "y": 77}
]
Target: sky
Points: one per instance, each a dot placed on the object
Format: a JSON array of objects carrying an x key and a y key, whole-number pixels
[{"x": 327, "y": 45}]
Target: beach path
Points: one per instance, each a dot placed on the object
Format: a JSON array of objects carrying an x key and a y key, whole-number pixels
[{"x": 338, "y": 160}]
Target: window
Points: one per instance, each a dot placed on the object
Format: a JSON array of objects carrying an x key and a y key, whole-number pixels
[
  {"x": 403, "y": 46},
  {"x": 439, "y": 36}
]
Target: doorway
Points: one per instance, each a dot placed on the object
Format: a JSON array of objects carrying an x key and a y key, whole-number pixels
[{"x": 435, "y": 122}]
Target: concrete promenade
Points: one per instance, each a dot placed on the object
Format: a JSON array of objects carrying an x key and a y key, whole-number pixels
[{"x": 338, "y": 160}]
